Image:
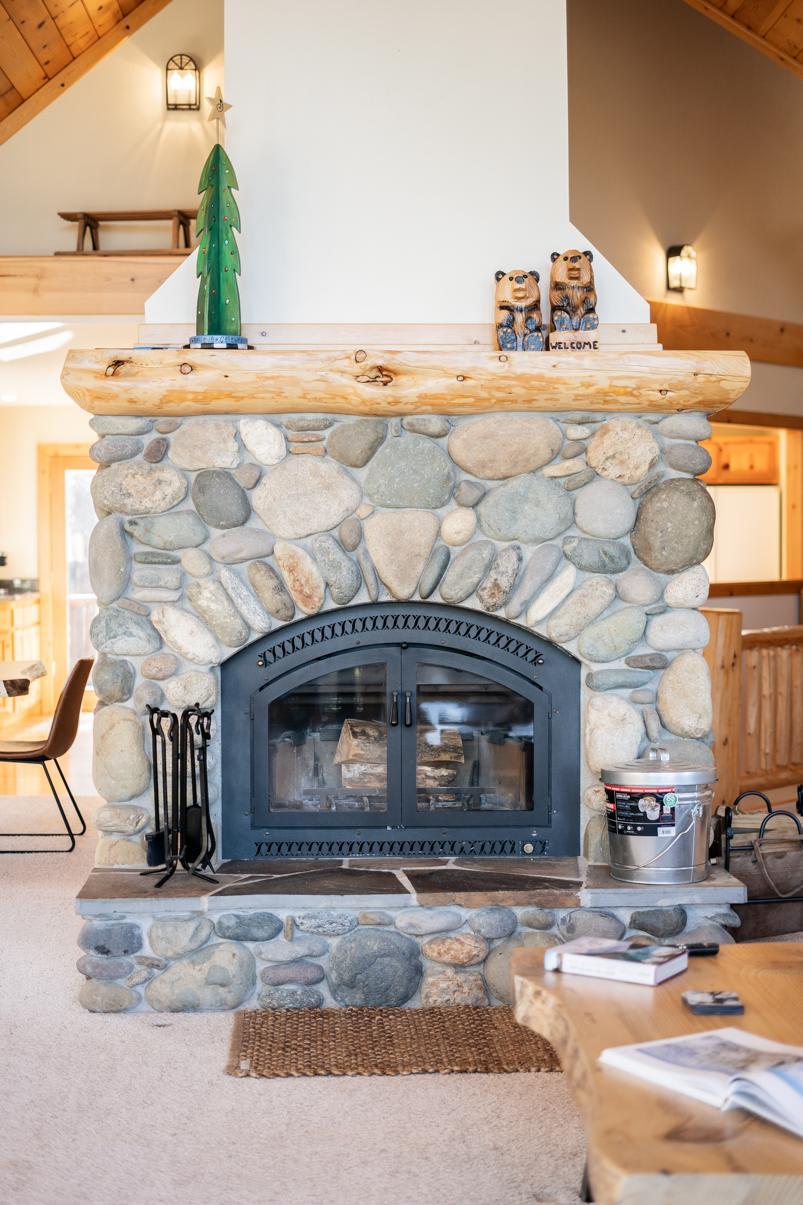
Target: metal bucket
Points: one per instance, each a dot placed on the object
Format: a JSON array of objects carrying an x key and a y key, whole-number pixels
[{"x": 659, "y": 817}]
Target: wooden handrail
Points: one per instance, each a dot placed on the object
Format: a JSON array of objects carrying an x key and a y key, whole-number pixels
[
  {"x": 767, "y": 638},
  {"x": 792, "y": 585}
]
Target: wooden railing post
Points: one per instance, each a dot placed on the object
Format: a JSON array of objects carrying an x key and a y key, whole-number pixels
[{"x": 724, "y": 658}]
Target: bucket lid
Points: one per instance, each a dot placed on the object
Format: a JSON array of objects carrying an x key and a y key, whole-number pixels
[{"x": 658, "y": 766}]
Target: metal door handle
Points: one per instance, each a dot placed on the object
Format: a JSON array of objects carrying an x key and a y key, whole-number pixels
[
  {"x": 394, "y": 709},
  {"x": 408, "y": 709}
]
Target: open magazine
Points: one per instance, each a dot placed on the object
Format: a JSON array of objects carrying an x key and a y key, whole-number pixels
[{"x": 727, "y": 1068}]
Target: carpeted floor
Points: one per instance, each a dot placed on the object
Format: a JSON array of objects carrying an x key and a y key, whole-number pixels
[{"x": 137, "y": 1109}]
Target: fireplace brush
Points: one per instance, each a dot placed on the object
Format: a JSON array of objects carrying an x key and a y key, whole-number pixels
[{"x": 183, "y": 834}]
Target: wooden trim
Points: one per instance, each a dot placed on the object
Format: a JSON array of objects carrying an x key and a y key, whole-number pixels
[
  {"x": 33, "y": 285},
  {"x": 391, "y": 382},
  {"x": 765, "y": 638},
  {"x": 754, "y": 418},
  {"x": 747, "y": 35},
  {"x": 42, "y": 97},
  {"x": 770, "y": 340},
  {"x": 723, "y": 655},
  {"x": 792, "y": 500},
  {"x": 745, "y": 589}
]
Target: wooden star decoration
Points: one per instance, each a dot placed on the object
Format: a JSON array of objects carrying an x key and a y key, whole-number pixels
[{"x": 217, "y": 109}]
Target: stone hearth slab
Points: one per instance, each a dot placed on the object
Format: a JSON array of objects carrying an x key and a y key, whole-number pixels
[
  {"x": 601, "y": 890},
  {"x": 478, "y": 888}
]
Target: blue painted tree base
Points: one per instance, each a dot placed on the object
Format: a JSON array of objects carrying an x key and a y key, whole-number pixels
[{"x": 232, "y": 342}]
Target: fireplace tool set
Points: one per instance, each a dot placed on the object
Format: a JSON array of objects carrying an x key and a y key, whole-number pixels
[{"x": 183, "y": 834}]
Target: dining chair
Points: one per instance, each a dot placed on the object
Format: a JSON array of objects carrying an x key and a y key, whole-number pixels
[{"x": 59, "y": 740}]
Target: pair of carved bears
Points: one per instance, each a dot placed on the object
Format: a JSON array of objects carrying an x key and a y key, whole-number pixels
[{"x": 572, "y": 300}]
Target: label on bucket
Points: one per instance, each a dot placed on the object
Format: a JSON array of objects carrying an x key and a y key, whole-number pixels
[{"x": 638, "y": 813}]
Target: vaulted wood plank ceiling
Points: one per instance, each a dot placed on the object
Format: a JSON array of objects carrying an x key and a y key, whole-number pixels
[
  {"x": 46, "y": 45},
  {"x": 775, "y": 27}
]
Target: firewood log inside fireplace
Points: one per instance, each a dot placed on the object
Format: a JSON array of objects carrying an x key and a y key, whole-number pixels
[{"x": 362, "y": 755}]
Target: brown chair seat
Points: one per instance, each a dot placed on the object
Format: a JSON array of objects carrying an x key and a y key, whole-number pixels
[{"x": 21, "y": 750}]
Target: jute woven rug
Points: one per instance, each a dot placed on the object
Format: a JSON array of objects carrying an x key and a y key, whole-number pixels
[{"x": 384, "y": 1041}]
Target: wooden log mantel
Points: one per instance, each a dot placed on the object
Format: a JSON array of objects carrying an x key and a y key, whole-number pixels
[{"x": 383, "y": 381}]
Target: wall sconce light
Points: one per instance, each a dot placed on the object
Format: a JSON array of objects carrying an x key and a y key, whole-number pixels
[
  {"x": 182, "y": 83},
  {"x": 681, "y": 268}
]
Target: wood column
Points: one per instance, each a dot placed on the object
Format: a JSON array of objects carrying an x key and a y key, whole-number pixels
[{"x": 724, "y": 659}]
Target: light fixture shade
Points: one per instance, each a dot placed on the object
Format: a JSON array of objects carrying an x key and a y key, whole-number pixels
[
  {"x": 182, "y": 82},
  {"x": 681, "y": 268}
]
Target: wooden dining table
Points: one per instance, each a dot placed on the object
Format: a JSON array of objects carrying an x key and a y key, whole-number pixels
[{"x": 16, "y": 677}]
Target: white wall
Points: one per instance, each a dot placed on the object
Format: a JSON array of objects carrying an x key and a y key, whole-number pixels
[
  {"x": 391, "y": 157},
  {"x": 109, "y": 143}
]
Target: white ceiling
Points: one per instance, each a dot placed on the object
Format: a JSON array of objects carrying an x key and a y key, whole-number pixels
[{"x": 32, "y": 352}]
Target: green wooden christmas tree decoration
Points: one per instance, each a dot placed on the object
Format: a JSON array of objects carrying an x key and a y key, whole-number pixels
[{"x": 217, "y": 320}]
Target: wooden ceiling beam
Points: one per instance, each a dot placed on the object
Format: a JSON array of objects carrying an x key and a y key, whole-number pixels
[
  {"x": 769, "y": 340},
  {"x": 734, "y": 26},
  {"x": 41, "y": 34},
  {"x": 72, "y": 21}
]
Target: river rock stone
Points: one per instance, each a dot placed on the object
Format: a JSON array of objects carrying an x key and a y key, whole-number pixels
[
  {"x": 583, "y": 606},
  {"x": 181, "y": 529},
  {"x": 537, "y": 918},
  {"x": 219, "y": 500},
  {"x": 688, "y": 589},
  {"x": 374, "y": 968},
  {"x": 120, "y": 851},
  {"x": 240, "y": 544},
  {"x": 126, "y": 819},
  {"x": 194, "y": 688},
  {"x": 616, "y": 679},
  {"x": 639, "y": 586},
  {"x": 684, "y": 697},
  {"x": 355, "y": 442},
  {"x": 174, "y": 936},
  {"x": 465, "y": 949},
  {"x": 301, "y": 973},
  {"x": 497, "y": 965},
  {"x": 575, "y": 447},
  {"x": 495, "y": 590},
  {"x": 338, "y": 570},
  {"x": 98, "y": 997},
  {"x": 246, "y": 603},
  {"x": 220, "y": 976},
  {"x": 530, "y": 509},
  {"x": 104, "y": 968},
  {"x": 564, "y": 468},
  {"x": 120, "y": 424},
  {"x": 675, "y": 526},
  {"x": 649, "y": 483},
  {"x": 614, "y": 636},
  {"x": 248, "y": 926},
  {"x": 420, "y": 922},
  {"x": 302, "y": 577},
  {"x": 120, "y": 766},
  {"x": 161, "y": 577},
  {"x": 613, "y": 731},
  {"x": 647, "y": 661},
  {"x": 623, "y": 450},
  {"x": 605, "y": 509},
  {"x": 155, "y": 558},
  {"x": 595, "y": 800},
  {"x": 147, "y": 694},
  {"x": 281, "y": 950},
  {"x": 493, "y": 922},
  {"x": 427, "y": 424},
  {"x": 111, "y": 448},
  {"x": 688, "y": 458},
  {"x": 590, "y": 922},
  {"x": 110, "y": 938},
  {"x": 447, "y": 987},
  {"x": 374, "y": 916},
  {"x": 677, "y": 629},
  {"x": 708, "y": 932},
  {"x": 155, "y": 450},
  {"x": 270, "y": 590},
  {"x": 433, "y": 571},
  {"x": 467, "y": 571},
  {"x": 469, "y": 493},
  {"x": 553, "y": 593},
  {"x": 368, "y": 573},
  {"x": 659, "y": 922},
  {"x": 113, "y": 679},
  {"x": 290, "y": 997},
  {"x": 205, "y": 443},
  {"x": 458, "y": 526},
  {"x": 596, "y": 842},
  {"x": 543, "y": 562},
  {"x": 122, "y": 632},
  {"x": 411, "y": 471},
  {"x": 159, "y": 666},
  {"x": 309, "y": 422},
  {"x": 504, "y": 445},
  {"x": 186, "y": 635},
  {"x": 689, "y": 425},
  {"x": 596, "y": 556},
  {"x": 329, "y": 922},
  {"x": 210, "y": 600},
  {"x": 304, "y": 495},
  {"x": 263, "y": 440},
  {"x": 137, "y": 488},
  {"x": 578, "y": 480},
  {"x": 350, "y": 533},
  {"x": 247, "y": 475}
]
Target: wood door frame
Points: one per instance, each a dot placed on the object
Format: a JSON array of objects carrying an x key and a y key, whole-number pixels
[{"x": 53, "y": 460}]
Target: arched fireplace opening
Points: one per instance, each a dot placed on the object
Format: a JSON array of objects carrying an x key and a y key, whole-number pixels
[{"x": 399, "y": 729}]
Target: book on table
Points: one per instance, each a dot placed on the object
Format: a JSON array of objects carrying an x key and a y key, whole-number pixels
[
  {"x": 631, "y": 961},
  {"x": 728, "y": 1068}
]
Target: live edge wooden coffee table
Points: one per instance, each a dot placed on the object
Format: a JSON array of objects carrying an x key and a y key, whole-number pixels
[{"x": 648, "y": 1146}]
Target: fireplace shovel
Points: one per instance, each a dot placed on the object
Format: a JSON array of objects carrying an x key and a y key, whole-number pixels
[{"x": 156, "y": 843}]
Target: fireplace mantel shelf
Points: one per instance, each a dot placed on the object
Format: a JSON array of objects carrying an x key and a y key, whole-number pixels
[{"x": 385, "y": 382}]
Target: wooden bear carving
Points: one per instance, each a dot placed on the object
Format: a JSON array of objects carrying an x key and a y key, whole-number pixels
[
  {"x": 572, "y": 297},
  {"x": 518, "y": 311}
]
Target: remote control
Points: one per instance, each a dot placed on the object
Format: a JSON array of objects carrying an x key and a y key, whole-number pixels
[{"x": 696, "y": 949}]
